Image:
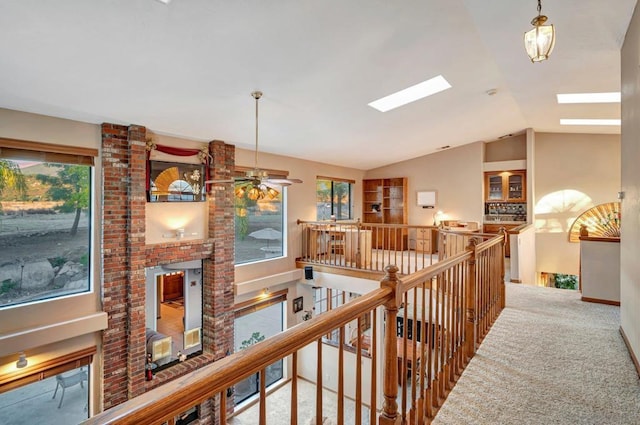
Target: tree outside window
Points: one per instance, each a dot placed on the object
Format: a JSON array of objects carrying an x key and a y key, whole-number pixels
[{"x": 333, "y": 199}]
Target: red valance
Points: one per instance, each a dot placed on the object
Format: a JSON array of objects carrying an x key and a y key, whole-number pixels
[{"x": 176, "y": 152}]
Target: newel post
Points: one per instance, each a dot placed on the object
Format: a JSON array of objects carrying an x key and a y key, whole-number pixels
[
  {"x": 503, "y": 295},
  {"x": 471, "y": 291},
  {"x": 389, "y": 415}
]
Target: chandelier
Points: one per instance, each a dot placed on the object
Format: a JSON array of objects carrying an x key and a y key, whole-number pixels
[{"x": 540, "y": 39}]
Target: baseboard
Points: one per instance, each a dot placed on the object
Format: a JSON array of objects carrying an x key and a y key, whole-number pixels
[
  {"x": 516, "y": 280},
  {"x": 631, "y": 353},
  {"x": 599, "y": 301}
]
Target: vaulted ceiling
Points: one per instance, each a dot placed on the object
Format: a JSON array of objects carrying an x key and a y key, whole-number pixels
[{"x": 187, "y": 68}]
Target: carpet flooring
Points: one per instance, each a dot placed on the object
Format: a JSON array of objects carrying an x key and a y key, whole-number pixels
[{"x": 549, "y": 359}]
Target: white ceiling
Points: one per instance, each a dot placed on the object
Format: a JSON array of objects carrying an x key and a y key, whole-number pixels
[{"x": 188, "y": 68}]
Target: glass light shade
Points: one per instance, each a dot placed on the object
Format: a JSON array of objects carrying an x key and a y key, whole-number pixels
[
  {"x": 240, "y": 191},
  {"x": 254, "y": 194},
  {"x": 539, "y": 42},
  {"x": 272, "y": 193}
]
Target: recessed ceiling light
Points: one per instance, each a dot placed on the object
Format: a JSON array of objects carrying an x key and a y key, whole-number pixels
[
  {"x": 164, "y": 1},
  {"x": 612, "y": 97},
  {"x": 574, "y": 121},
  {"x": 411, "y": 94}
]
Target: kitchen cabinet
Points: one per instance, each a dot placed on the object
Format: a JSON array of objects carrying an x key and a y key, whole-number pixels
[{"x": 505, "y": 186}]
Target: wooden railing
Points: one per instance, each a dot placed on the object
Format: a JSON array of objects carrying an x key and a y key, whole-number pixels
[
  {"x": 447, "y": 308},
  {"x": 370, "y": 247}
]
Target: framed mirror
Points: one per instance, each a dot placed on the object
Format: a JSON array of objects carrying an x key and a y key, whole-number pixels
[{"x": 175, "y": 182}]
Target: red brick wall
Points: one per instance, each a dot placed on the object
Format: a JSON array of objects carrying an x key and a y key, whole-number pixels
[{"x": 125, "y": 257}]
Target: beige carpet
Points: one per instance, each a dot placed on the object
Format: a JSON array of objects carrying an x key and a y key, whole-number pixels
[{"x": 549, "y": 359}]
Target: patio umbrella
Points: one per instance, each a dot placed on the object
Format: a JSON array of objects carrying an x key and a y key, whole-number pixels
[{"x": 267, "y": 233}]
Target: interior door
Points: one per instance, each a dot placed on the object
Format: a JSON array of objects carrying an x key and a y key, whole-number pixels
[{"x": 173, "y": 286}]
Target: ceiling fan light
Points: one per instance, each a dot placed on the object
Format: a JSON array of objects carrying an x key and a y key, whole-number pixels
[
  {"x": 240, "y": 191},
  {"x": 539, "y": 40},
  {"x": 272, "y": 193},
  {"x": 254, "y": 193}
]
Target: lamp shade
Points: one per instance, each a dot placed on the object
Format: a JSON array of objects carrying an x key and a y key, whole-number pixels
[{"x": 539, "y": 40}]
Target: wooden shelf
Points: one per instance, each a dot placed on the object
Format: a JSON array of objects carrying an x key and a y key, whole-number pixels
[{"x": 391, "y": 195}]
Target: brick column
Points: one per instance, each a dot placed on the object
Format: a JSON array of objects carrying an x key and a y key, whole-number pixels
[
  {"x": 218, "y": 273},
  {"x": 115, "y": 174},
  {"x": 136, "y": 203}
]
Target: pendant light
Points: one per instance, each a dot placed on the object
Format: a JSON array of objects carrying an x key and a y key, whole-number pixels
[{"x": 540, "y": 39}]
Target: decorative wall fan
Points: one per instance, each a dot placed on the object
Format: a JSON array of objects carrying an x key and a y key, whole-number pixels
[
  {"x": 601, "y": 220},
  {"x": 256, "y": 183}
]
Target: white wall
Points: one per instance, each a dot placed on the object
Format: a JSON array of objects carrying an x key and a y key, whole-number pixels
[
  {"x": 456, "y": 174},
  {"x": 523, "y": 256},
  {"x": 600, "y": 270},
  {"x": 573, "y": 172},
  {"x": 630, "y": 232}
]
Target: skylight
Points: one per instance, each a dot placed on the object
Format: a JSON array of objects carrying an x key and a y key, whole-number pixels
[
  {"x": 411, "y": 94},
  {"x": 575, "y": 121},
  {"x": 611, "y": 97}
]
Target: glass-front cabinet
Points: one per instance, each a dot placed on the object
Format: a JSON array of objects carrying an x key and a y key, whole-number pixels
[{"x": 506, "y": 186}]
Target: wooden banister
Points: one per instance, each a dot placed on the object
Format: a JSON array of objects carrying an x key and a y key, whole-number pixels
[
  {"x": 461, "y": 296},
  {"x": 184, "y": 392}
]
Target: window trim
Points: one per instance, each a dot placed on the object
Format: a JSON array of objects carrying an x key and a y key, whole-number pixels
[
  {"x": 46, "y": 152},
  {"x": 47, "y": 369},
  {"x": 26, "y": 150},
  {"x": 334, "y": 180}
]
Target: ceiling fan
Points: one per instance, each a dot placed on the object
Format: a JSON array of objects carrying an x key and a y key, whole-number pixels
[{"x": 256, "y": 183}]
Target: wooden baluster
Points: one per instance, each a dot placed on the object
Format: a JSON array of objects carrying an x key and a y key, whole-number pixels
[
  {"x": 294, "y": 389},
  {"x": 358, "y": 402},
  {"x": 470, "y": 322},
  {"x": 431, "y": 339},
  {"x": 318, "y": 384},
  {"x": 440, "y": 301},
  {"x": 402, "y": 368},
  {"x": 389, "y": 415},
  {"x": 263, "y": 396},
  {"x": 341, "y": 377},
  {"x": 501, "y": 265},
  {"x": 373, "y": 350},
  {"x": 414, "y": 346},
  {"x": 223, "y": 407}
]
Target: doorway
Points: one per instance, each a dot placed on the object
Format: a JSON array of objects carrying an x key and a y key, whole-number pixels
[{"x": 171, "y": 308}]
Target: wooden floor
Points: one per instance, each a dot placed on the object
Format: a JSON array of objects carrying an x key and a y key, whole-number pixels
[{"x": 171, "y": 324}]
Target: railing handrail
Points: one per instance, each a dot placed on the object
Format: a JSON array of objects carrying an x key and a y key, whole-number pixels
[
  {"x": 203, "y": 383},
  {"x": 364, "y": 223},
  {"x": 495, "y": 240},
  {"x": 415, "y": 279},
  {"x": 456, "y": 336}
]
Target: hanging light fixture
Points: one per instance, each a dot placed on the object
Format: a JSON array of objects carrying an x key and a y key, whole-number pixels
[
  {"x": 540, "y": 39},
  {"x": 255, "y": 189}
]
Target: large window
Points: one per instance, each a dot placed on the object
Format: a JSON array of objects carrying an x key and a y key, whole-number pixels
[
  {"x": 333, "y": 198},
  {"x": 45, "y": 216},
  {"x": 258, "y": 225},
  {"x": 61, "y": 399},
  {"x": 255, "y": 323}
]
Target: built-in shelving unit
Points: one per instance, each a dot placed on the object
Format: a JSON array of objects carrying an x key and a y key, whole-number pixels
[{"x": 385, "y": 201}]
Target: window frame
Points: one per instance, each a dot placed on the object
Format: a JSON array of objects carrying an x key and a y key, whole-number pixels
[
  {"x": 26, "y": 150},
  {"x": 239, "y": 173},
  {"x": 332, "y": 204}
]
